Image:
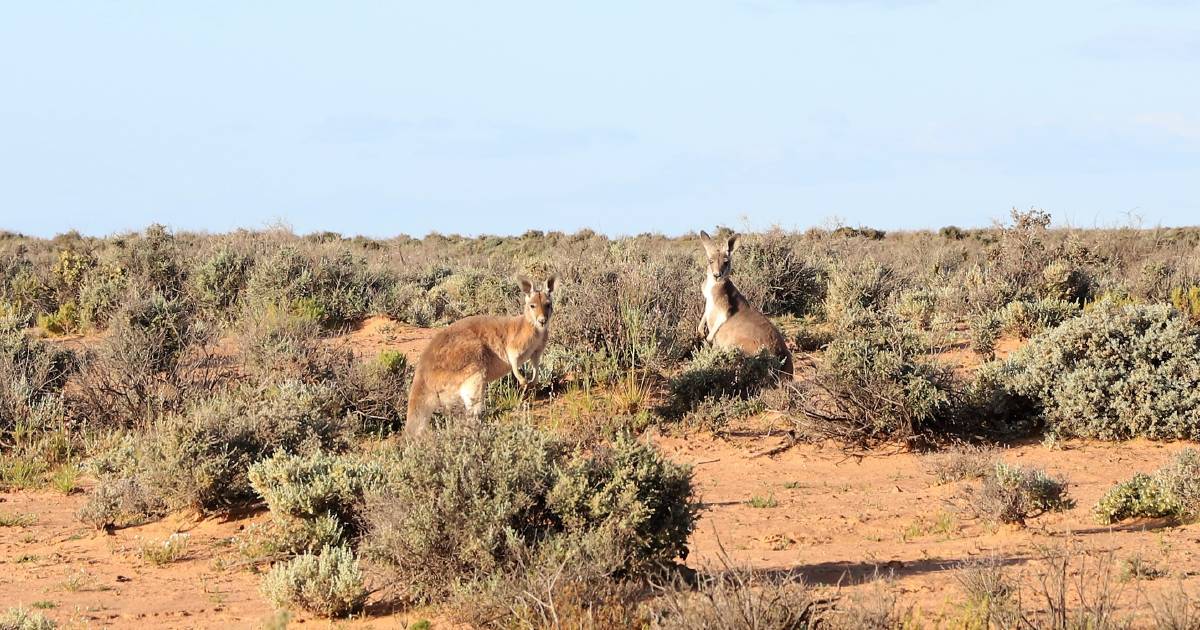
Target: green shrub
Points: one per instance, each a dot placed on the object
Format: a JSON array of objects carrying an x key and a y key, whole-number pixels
[
  {"x": 774, "y": 277},
  {"x": 740, "y": 597},
  {"x": 1013, "y": 494},
  {"x": 917, "y": 306},
  {"x": 22, "y": 619},
  {"x": 1027, "y": 318},
  {"x": 1065, "y": 282},
  {"x": 630, "y": 490},
  {"x": 32, "y": 376},
  {"x": 1171, "y": 491},
  {"x": 716, "y": 373},
  {"x": 876, "y": 384},
  {"x": 219, "y": 280},
  {"x": 1115, "y": 373},
  {"x": 331, "y": 290},
  {"x": 64, "y": 320},
  {"x": 315, "y": 499},
  {"x": 866, "y": 287},
  {"x": 154, "y": 260},
  {"x": 100, "y": 296},
  {"x": 1187, "y": 301},
  {"x": 201, "y": 458},
  {"x": 329, "y": 584},
  {"x": 473, "y": 503},
  {"x": 148, "y": 363},
  {"x": 985, "y": 330}
]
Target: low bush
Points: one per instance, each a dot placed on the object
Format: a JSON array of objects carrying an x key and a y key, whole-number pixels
[
  {"x": 738, "y": 597},
  {"x": 869, "y": 287},
  {"x": 876, "y": 384},
  {"x": 149, "y": 363},
  {"x": 1116, "y": 372},
  {"x": 219, "y": 280},
  {"x": 474, "y": 502},
  {"x": 961, "y": 463},
  {"x": 22, "y": 619},
  {"x": 1030, "y": 317},
  {"x": 201, "y": 458},
  {"x": 1171, "y": 491},
  {"x": 315, "y": 500},
  {"x": 329, "y": 583},
  {"x": 1187, "y": 301},
  {"x": 775, "y": 277},
  {"x": 985, "y": 331},
  {"x": 1013, "y": 494},
  {"x": 714, "y": 374}
]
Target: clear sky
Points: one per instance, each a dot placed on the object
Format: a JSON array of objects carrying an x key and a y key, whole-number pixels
[{"x": 498, "y": 117}]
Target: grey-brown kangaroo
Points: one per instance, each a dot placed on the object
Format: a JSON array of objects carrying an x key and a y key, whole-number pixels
[{"x": 730, "y": 320}]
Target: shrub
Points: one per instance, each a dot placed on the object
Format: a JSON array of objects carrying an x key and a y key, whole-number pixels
[
  {"x": 645, "y": 501},
  {"x": 474, "y": 502},
  {"x": 22, "y": 619},
  {"x": 1013, "y": 494},
  {"x": 314, "y": 500},
  {"x": 1027, "y": 318},
  {"x": 101, "y": 295},
  {"x": 64, "y": 320},
  {"x": 32, "y": 376},
  {"x": 917, "y": 306},
  {"x": 985, "y": 330},
  {"x": 148, "y": 363},
  {"x": 963, "y": 462},
  {"x": 154, "y": 260},
  {"x": 1064, "y": 282},
  {"x": 866, "y": 287},
  {"x": 1187, "y": 301},
  {"x": 329, "y": 584},
  {"x": 875, "y": 384},
  {"x": 716, "y": 373},
  {"x": 331, "y": 290},
  {"x": 774, "y": 277},
  {"x": 201, "y": 458},
  {"x": 219, "y": 280},
  {"x": 952, "y": 233},
  {"x": 1171, "y": 491},
  {"x": 1115, "y": 373},
  {"x": 737, "y": 597}
]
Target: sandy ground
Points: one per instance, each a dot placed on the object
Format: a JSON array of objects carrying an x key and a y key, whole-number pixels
[{"x": 835, "y": 520}]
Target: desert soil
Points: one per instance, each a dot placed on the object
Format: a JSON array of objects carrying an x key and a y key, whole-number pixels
[{"x": 835, "y": 519}]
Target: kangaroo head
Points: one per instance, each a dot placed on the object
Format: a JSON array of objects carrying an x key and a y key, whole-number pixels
[
  {"x": 539, "y": 305},
  {"x": 720, "y": 254}
]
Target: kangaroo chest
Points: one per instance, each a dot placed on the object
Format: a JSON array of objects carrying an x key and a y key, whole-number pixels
[{"x": 716, "y": 305}]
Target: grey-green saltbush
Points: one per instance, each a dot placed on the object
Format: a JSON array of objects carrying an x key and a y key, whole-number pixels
[
  {"x": 716, "y": 373},
  {"x": 474, "y": 502},
  {"x": 328, "y": 583},
  {"x": 1171, "y": 491},
  {"x": 1114, "y": 373},
  {"x": 1012, "y": 494}
]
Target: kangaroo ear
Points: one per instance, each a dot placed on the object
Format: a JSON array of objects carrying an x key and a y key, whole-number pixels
[
  {"x": 551, "y": 282},
  {"x": 732, "y": 244},
  {"x": 526, "y": 285},
  {"x": 705, "y": 238}
]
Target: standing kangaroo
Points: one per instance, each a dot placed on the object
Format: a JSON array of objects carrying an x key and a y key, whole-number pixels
[
  {"x": 464, "y": 357},
  {"x": 731, "y": 320}
]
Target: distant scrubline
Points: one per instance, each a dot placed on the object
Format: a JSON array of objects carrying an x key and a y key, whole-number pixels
[{"x": 467, "y": 355}]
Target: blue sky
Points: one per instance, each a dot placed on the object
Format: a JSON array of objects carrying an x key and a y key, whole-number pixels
[{"x": 498, "y": 117}]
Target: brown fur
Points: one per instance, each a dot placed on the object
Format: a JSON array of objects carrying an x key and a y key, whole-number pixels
[
  {"x": 729, "y": 318},
  {"x": 463, "y": 358}
]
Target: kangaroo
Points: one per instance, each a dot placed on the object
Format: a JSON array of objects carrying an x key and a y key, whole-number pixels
[
  {"x": 731, "y": 321},
  {"x": 464, "y": 357}
]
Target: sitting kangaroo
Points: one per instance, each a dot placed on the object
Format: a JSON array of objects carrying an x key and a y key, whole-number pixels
[
  {"x": 731, "y": 320},
  {"x": 464, "y": 357}
]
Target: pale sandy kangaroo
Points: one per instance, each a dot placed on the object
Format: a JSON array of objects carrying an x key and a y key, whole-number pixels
[
  {"x": 731, "y": 321},
  {"x": 464, "y": 357}
]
